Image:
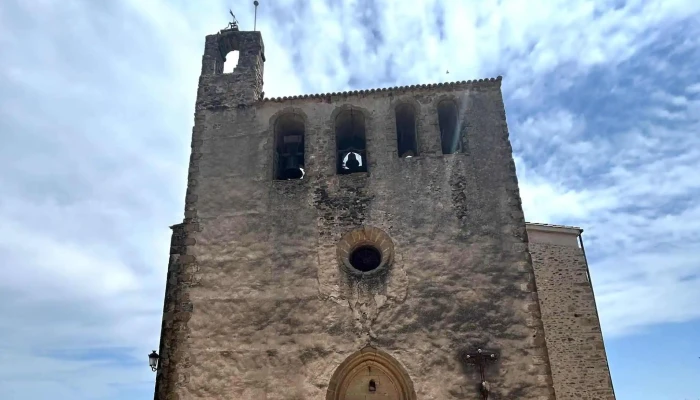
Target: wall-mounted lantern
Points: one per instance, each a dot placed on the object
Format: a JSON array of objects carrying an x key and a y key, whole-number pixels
[
  {"x": 479, "y": 358},
  {"x": 153, "y": 361}
]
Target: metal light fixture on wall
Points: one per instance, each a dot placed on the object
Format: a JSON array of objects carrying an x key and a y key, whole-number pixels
[
  {"x": 153, "y": 361},
  {"x": 480, "y": 358}
]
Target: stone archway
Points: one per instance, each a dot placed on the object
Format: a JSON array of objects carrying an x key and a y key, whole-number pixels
[{"x": 370, "y": 372}]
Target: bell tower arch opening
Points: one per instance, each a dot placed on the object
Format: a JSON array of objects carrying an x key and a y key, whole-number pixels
[
  {"x": 351, "y": 143},
  {"x": 406, "y": 130},
  {"x": 231, "y": 61},
  {"x": 449, "y": 129},
  {"x": 235, "y": 59},
  {"x": 370, "y": 371},
  {"x": 289, "y": 147}
]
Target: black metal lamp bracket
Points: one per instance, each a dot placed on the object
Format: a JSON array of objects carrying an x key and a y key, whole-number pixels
[{"x": 479, "y": 358}]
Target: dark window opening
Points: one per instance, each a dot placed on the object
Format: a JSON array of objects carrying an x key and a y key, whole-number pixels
[
  {"x": 406, "y": 131},
  {"x": 231, "y": 61},
  {"x": 372, "y": 386},
  {"x": 365, "y": 258},
  {"x": 449, "y": 128},
  {"x": 350, "y": 142},
  {"x": 289, "y": 147}
]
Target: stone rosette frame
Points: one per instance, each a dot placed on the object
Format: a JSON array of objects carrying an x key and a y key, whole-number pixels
[
  {"x": 365, "y": 236},
  {"x": 375, "y": 358}
]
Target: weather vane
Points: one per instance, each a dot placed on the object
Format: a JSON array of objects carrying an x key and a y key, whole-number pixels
[{"x": 233, "y": 25}]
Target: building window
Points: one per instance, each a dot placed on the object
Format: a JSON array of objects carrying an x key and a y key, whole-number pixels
[
  {"x": 449, "y": 128},
  {"x": 365, "y": 251},
  {"x": 350, "y": 140},
  {"x": 406, "y": 131},
  {"x": 289, "y": 147}
]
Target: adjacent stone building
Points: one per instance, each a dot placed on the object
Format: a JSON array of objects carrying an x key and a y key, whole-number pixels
[{"x": 366, "y": 245}]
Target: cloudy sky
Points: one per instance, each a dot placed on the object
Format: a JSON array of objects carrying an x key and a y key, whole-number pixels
[{"x": 96, "y": 110}]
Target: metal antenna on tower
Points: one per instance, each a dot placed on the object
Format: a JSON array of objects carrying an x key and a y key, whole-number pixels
[{"x": 255, "y": 18}]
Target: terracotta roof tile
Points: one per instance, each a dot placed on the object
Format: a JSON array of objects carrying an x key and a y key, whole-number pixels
[{"x": 477, "y": 82}]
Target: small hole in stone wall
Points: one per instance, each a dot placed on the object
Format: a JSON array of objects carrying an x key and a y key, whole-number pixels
[
  {"x": 365, "y": 258},
  {"x": 372, "y": 386}
]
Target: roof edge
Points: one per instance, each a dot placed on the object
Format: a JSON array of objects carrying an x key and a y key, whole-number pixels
[
  {"x": 488, "y": 82},
  {"x": 537, "y": 226}
]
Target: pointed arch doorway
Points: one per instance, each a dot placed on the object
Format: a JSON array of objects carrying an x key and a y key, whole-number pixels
[{"x": 370, "y": 374}]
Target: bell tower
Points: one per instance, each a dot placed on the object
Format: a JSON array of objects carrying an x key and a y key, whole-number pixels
[
  {"x": 243, "y": 86},
  {"x": 349, "y": 245}
]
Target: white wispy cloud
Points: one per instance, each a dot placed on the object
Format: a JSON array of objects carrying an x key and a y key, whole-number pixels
[
  {"x": 635, "y": 191},
  {"x": 96, "y": 102}
]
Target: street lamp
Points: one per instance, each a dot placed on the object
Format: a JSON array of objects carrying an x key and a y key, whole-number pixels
[{"x": 153, "y": 361}]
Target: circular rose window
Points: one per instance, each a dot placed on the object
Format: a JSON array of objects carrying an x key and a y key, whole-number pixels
[{"x": 365, "y": 251}]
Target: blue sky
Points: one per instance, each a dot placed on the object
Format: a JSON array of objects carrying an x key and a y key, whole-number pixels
[{"x": 96, "y": 110}]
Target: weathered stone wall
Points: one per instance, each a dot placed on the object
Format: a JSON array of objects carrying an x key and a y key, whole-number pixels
[
  {"x": 572, "y": 329},
  {"x": 172, "y": 321},
  {"x": 266, "y": 312}
]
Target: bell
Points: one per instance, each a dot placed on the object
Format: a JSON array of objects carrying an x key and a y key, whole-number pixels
[
  {"x": 352, "y": 163},
  {"x": 292, "y": 168}
]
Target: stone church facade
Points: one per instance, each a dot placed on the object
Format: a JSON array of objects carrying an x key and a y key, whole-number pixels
[{"x": 367, "y": 245}]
